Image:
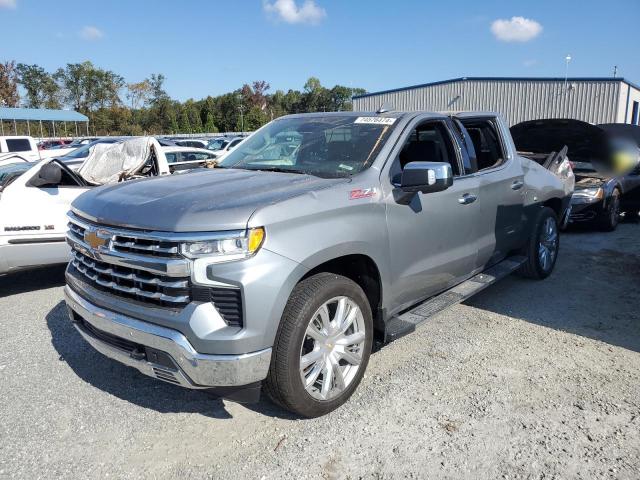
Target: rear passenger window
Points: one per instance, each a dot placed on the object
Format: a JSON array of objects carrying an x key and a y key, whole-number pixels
[
  {"x": 430, "y": 142},
  {"x": 18, "y": 145},
  {"x": 486, "y": 143}
]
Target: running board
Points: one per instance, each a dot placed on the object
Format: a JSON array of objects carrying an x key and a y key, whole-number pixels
[{"x": 402, "y": 325}]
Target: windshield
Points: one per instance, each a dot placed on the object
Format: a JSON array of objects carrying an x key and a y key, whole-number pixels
[
  {"x": 217, "y": 144},
  {"x": 83, "y": 152},
  {"x": 326, "y": 146},
  {"x": 11, "y": 171}
]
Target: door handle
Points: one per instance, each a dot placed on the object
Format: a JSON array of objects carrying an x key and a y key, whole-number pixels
[
  {"x": 467, "y": 198},
  {"x": 517, "y": 185}
]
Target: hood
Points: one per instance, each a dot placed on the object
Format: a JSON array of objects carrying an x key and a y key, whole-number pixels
[
  {"x": 585, "y": 142},
  {"x": 201, "y": 200},
  {"x": 622, "y": 130}
]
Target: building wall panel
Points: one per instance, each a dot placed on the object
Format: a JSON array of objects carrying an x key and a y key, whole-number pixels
[{"x": 516, "y": 100}]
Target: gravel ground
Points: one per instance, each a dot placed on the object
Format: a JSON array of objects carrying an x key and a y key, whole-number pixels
[{"x": 526, "y": 380}]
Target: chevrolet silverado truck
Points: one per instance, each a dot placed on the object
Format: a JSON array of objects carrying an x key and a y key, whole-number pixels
[{"x": 319, "y": 237}]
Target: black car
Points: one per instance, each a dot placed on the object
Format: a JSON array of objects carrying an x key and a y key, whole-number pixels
[{"x": 599, "y": 198}]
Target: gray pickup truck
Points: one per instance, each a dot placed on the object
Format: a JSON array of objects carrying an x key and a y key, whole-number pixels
[{"x": 321, "y": 237}]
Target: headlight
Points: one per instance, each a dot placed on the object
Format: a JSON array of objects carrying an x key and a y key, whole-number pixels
[
  {"x": 223, "y": 249},
  {"x": 587, "y": 195}
]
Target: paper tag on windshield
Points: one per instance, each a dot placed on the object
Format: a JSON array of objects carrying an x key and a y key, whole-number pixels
[{"x": 375, "y": 120}]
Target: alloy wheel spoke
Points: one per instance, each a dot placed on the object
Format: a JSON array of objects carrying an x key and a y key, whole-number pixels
[
  {"x": 313, "y": 375},
  {"x": 325, "y": 318},
  {"x": 327, "y": 379},
  {"x": 341, "y": 312},
  {"x": 348, "y": 320},
  {"x": 310, "y": 358},
  {"x": 350, "y": 357},
  {"x": 339, "y": 377},
  {"x": 316, "y": 334},
  {"x": 353, "y": 339}
]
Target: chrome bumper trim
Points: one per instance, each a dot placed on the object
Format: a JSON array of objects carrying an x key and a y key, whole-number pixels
[{"x": 196, "y": 370}]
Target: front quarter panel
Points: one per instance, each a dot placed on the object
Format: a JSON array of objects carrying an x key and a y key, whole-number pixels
[{"x": 319, "y": 226}]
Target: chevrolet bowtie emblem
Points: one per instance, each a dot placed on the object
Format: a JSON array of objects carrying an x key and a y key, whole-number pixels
[{"x": 94, "y": 239}]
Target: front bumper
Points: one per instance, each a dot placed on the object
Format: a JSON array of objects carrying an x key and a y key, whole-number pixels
[
  {"x": 586, "y": 212},
  {"x": 161, "y": 352}
]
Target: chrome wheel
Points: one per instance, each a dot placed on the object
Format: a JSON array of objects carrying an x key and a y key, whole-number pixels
[
  {"x": 548, "y": 246},
  {"x": 332, "y": 348}
]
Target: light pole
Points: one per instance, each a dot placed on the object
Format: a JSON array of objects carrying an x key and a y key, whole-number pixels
[{"x": 566, "y": 71}]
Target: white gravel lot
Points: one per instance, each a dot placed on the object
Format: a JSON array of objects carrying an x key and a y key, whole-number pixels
[{"x": 526, "y": 380}]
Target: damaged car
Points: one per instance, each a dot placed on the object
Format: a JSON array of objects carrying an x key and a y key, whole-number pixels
[
  {"x": 600, "y": 195},
  {"x": 35, "y": 197}
]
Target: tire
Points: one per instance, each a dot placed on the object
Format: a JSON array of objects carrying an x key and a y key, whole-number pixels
[
  {"x": 610, "y": 218},
  {"x": 536, "y": 266},
  {"x": 303, "y": 314}
]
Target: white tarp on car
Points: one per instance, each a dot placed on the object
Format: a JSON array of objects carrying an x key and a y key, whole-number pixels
[{"x": 110, "y": 163}]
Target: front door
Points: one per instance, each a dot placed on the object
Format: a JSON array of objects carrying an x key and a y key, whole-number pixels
[
  {"x": 432, "y": 239},
  {"x": 31, "y": 216}
]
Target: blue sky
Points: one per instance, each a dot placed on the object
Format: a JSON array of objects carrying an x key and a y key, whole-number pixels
[{"x": 211, "y": 47}]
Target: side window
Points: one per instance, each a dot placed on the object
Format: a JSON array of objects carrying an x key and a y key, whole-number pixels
[
  {"x": 486, "y": 143},
  {"x": 234, "y": 143},
  {"x": 18, "y": 145},
  {"x": 429, "y": 142},
  {"x": 171, "y": 157}
]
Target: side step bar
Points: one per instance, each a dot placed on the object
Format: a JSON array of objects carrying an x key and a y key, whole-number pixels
[{"x": 406, "y": 323}]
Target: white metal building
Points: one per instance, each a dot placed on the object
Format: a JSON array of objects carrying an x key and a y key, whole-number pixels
[{"x": 594, "y": 100}]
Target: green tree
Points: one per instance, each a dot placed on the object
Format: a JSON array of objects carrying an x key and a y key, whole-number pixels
[
  {"x": 41, "y": 89},
  {"x": 9, "y": 84}
]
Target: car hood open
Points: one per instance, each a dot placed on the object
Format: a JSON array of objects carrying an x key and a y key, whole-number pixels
[
  {"x": 201, "y": 200},
  {"x": 585, "y": 142}
]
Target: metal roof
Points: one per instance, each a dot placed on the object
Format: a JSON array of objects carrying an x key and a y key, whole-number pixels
[
  {"x": 503, "y": 79},
  {"x": 44, "y": 114}
]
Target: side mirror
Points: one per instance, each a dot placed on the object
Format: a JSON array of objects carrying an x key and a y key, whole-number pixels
[
  {"x": 49, "y": 174},
  {"x": 426, "y": 177}
]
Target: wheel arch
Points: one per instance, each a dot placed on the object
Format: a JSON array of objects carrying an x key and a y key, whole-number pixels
[{"x": 364, "y": 271}]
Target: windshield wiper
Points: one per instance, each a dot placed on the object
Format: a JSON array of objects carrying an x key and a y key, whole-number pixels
[{"x": 279, "y": 170}]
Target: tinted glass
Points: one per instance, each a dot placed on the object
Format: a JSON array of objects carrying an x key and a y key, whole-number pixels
[
  {"x": 10, "y": 172},
  {"x": 325, "y": 146},
  {"x": 83, "y": 152},
  {"x": 18, "y": 145},
  {"x": 217, "y": 144}
]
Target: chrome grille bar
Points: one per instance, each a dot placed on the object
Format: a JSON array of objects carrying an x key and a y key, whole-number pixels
[{"x": 149, "y": 288}]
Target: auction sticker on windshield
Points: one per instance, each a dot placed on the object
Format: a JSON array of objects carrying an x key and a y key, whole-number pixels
[{"x": 375, "y": 120}]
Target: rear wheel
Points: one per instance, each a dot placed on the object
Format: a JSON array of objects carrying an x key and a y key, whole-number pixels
[
  {"x": 322, "y": 347},
  {"x": 611, "y": 216},
  {"x": 542, "y": 248}
]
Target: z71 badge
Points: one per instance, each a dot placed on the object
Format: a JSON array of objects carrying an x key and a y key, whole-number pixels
[{"x": 359, "y": 193}]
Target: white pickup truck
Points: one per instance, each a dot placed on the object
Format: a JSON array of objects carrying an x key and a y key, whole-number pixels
[
  {"x": 26, "y": 149},
  {"x": 35, "y": 197}
]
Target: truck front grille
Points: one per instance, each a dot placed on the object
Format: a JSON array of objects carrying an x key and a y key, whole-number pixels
[
  {"x": 132, "y": 283},
  {"x": 132, "y": 242}
]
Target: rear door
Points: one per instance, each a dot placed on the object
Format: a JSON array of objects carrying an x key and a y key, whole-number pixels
[
  {"x": 433, "y": 238},
  {"x": 501, "y": 226}
]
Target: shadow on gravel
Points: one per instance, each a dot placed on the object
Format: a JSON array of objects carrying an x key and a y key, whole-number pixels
[
  {"x": 30, "y": 280},
  {"x": 129, "y": 384},
  {"x": 593, "y": 292}
]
